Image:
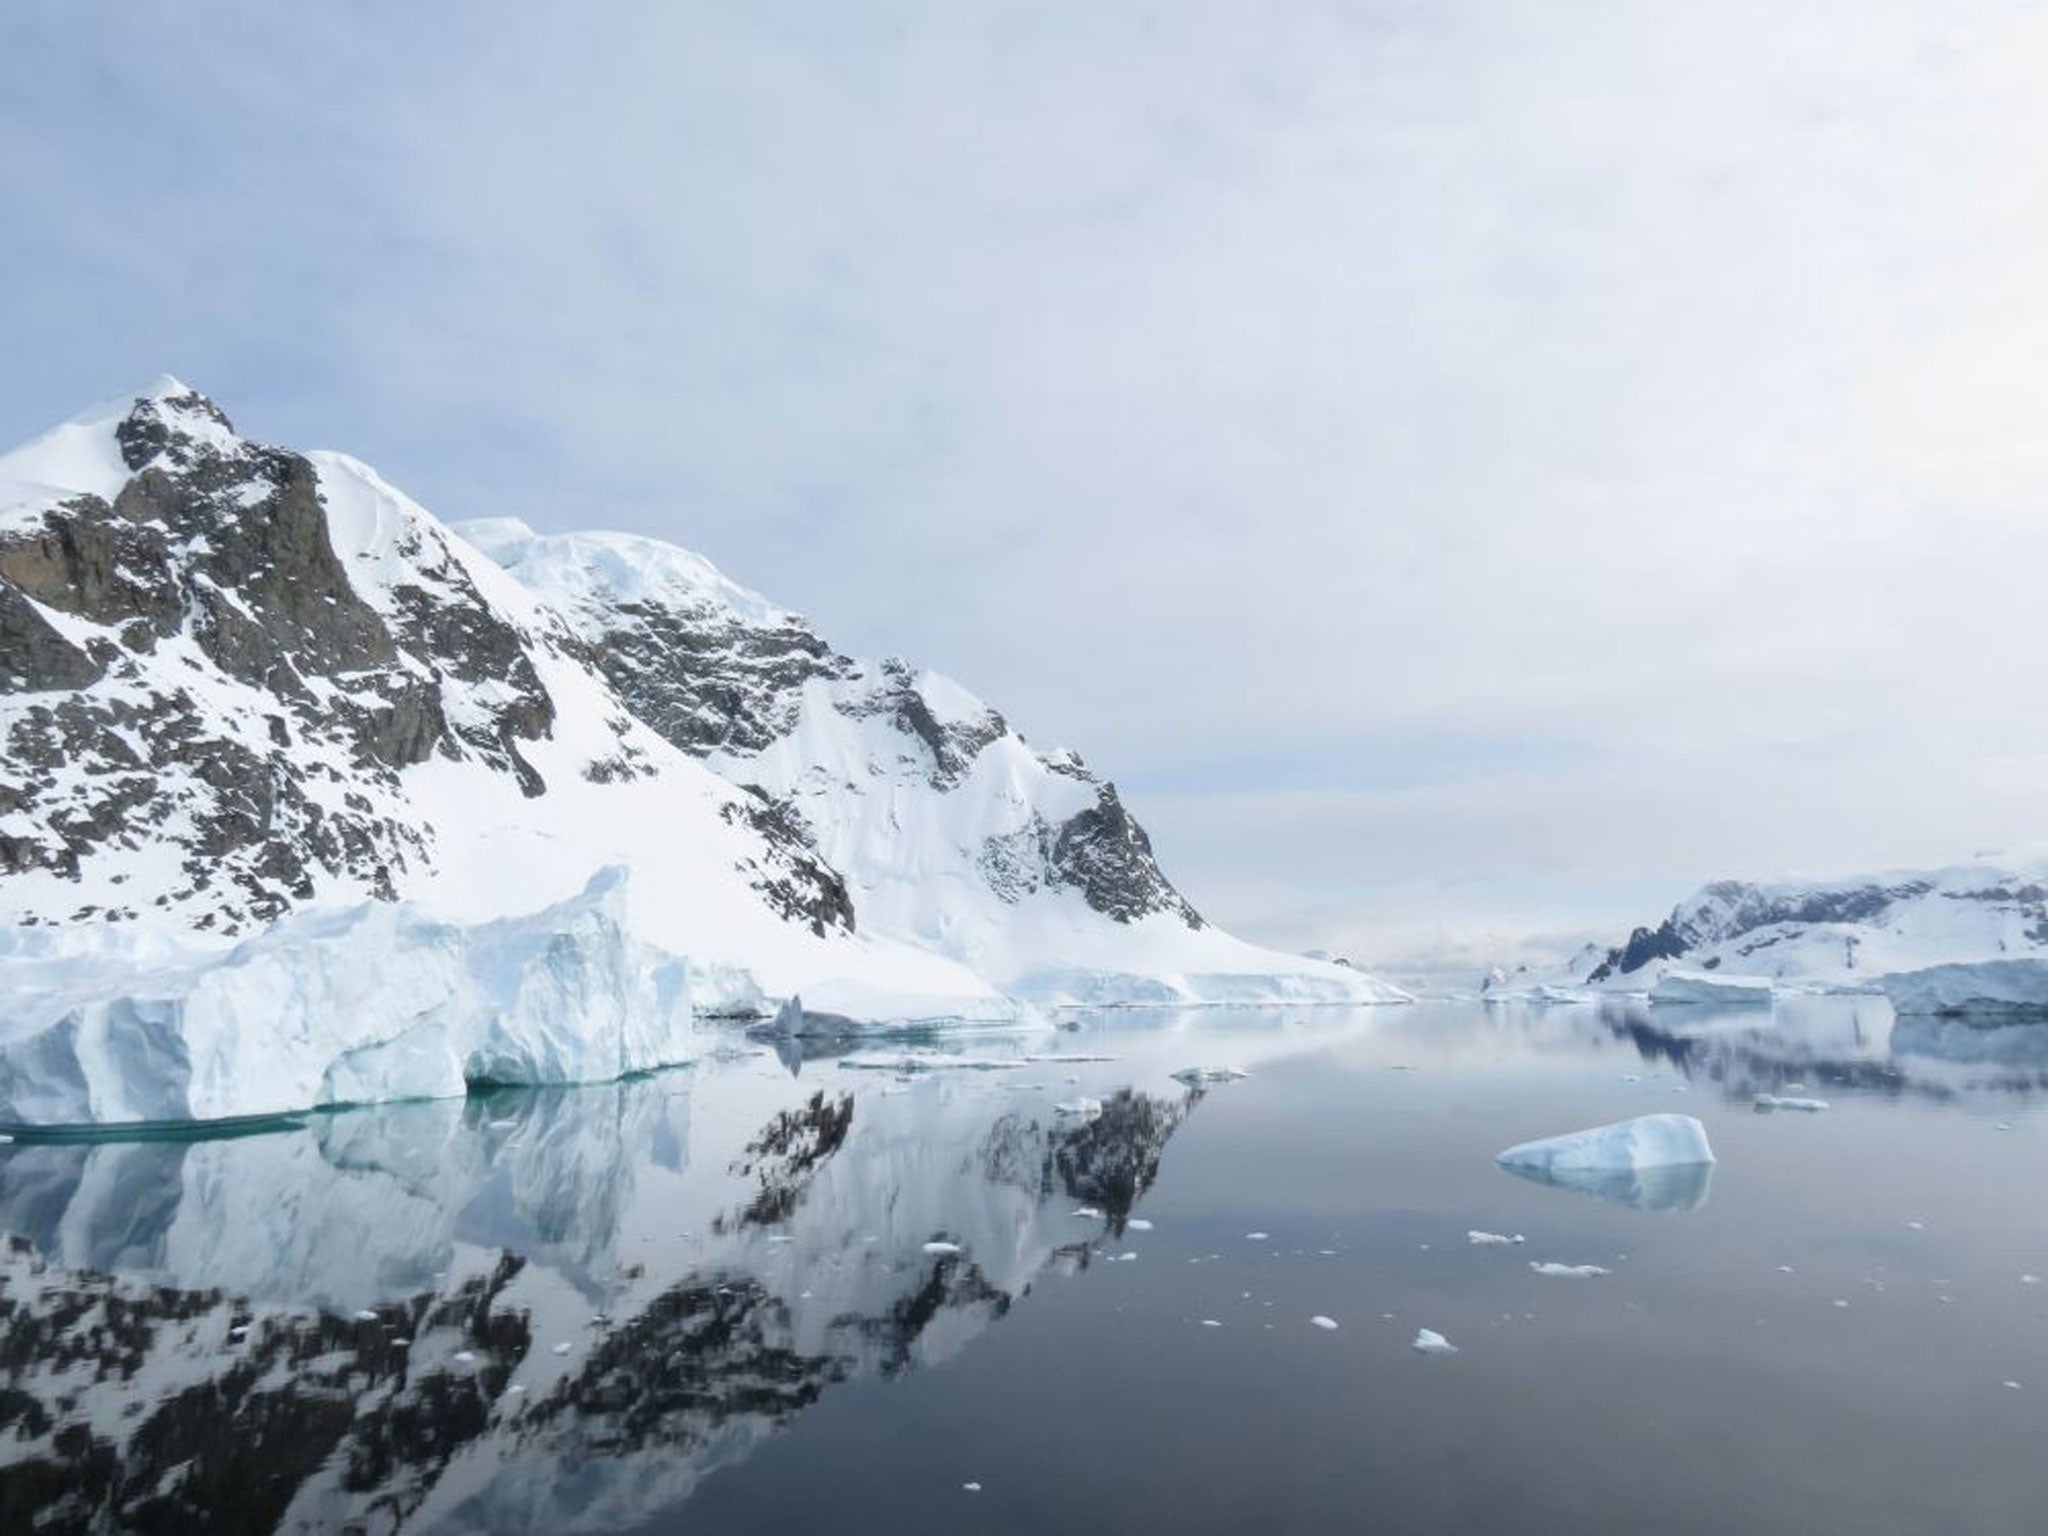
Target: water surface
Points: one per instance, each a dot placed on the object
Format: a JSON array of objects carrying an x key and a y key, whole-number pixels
[{"x": 824, "y": 1288}]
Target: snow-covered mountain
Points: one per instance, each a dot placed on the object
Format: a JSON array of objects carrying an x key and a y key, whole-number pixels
[
  {"x": 952, "y": 831},
  {"x": 238, "y": 682},
  {"x": 1837, "y": 934}
]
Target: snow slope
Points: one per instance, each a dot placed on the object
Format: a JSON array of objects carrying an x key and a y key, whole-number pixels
[{"x": 952, "y": 831}]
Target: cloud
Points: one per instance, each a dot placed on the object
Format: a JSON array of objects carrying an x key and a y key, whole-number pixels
[{"x": 1554, "y": 423}]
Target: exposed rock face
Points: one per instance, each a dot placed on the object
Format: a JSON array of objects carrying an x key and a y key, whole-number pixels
[{"x": 226, "y": 692}]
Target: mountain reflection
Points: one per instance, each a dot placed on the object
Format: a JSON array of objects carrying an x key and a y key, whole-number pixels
[
  {"x": 1843, "y": 1043},
  {"x": 544, "y": 1310}
]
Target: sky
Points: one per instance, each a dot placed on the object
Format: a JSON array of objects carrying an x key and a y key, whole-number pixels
[{"x": 1469, "y": 472}]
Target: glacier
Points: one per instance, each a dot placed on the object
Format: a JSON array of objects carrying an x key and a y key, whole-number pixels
[{"x": 381, "y": 1001}]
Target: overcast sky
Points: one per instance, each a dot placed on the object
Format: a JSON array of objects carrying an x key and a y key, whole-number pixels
[{"x": 1464, "y": 469}]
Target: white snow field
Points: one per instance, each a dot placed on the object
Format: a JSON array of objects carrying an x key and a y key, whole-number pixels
[{"x": 2012, "y": 988}]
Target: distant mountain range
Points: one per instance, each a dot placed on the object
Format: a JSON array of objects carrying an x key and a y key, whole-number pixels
[{"x": 1842, "y": 934}]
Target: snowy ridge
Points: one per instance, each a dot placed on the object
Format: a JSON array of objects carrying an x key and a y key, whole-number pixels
[{"x": 1834, "y": 935}]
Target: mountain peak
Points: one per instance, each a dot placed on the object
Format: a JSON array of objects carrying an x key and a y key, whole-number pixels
[{"x": 94, "y": 451}]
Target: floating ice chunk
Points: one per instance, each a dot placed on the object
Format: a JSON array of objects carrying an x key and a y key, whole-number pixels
[
  {"x": 1770, "y": 1101},
  {"x": 1126, "y": 1257},
  {"x": 1210, "y": 1322},
  {"x": 365, "y": 1315},
  {"x": 1653, "y": 1162},
  {"x": 1568, "y": 1271},
  {"x": 970, "y": 1487},
  {"x": 1083, "y": 1108},
  {"x": 1321, "y": 1321},
  {"x": 564, "y": 1347},
  {"x": 2012, "y": 988},
  {"x": 941, "y": 1249},
  {"x": 1089, "y": 1213},
  {"x": 1429, "y": 1342},
  {"x": 1196, "y": 1077},
  {"x": 2030, "y": 1279},
  {"x": 1255, "y": 1237},
  {"x": 1139, "y": 1224},
  {"x": 1710, "y": 987},
  {"x": 1479, "y": 1238}
]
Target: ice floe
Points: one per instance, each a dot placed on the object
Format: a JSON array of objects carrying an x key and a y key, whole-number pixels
[
  {"x": 1568, "y": 1271},
  {"x": 1710, "y": 987},
  {"x": 1429, "y": 1342},
  {"x": 2013, "y": 988},
  {"x": 1653, "y": 1162}
]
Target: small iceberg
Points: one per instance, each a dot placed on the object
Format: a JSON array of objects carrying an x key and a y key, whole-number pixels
[
  {"x": 1083, "y": 1108},
  {"x": 940, "y": 1249},
  {"x": 1481, "y": 1239},
  {"x": 1429, "y": 1342},
  {"x": 1569, "y": 1271},
  {"x": 1771, "y": 1101},
  {"x": 1706, "y": 987},
  {"x": 1650, "y": 1163},
  {"x": 1327, "y": 1323},
  {"x": 1997, "y": 989},
  {"x": 1198, "y": 1077}
]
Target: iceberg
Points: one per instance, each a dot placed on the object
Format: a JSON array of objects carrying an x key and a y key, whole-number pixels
[
  {"x": 1652, "y": 1163},
  {"x": 1704, "y": 987},
  {"x": 2009, "y": 988},
  {"x": 376, "y": 1002}
]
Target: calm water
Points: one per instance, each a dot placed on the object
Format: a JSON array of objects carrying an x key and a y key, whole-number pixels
[{"x": 704, "y": 1300}]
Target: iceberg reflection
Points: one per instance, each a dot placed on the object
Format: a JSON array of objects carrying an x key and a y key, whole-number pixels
[{"x": 1668, "y": 1187}]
